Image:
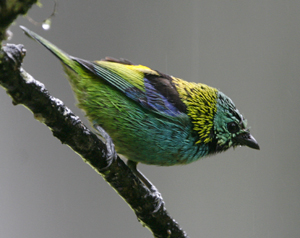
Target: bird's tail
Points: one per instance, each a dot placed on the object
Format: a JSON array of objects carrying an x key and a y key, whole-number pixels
[{"x": 60, "y": 54}]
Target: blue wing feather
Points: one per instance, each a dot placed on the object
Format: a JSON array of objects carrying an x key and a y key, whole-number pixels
[{"x": 158, "y": 102}]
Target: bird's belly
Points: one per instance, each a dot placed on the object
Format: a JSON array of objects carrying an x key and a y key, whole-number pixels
[{"x": 152, "y": 140}]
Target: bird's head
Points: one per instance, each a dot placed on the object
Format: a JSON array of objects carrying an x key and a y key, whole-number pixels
[
  {"x": 215, "y": 119},
  {"x": 230, "y": 128}
]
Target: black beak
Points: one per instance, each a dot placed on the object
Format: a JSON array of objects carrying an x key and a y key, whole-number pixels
[{"x": 247, "y": 139}]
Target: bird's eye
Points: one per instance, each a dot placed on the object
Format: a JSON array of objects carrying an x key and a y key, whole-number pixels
[{"x": 233, "y": 127}]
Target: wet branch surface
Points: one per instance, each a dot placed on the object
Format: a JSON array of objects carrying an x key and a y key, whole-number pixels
[{"x": 68, "y": 128}]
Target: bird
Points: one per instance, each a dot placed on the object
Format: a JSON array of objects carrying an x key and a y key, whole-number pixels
[{"x": 152, "y": 117}]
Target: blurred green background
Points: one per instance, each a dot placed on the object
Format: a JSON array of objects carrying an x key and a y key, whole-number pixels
[{"x": 250, "y": 50}]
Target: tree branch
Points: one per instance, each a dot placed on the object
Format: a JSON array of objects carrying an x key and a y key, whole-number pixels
[
  {"x": 9, "y": 11},
  {"x": 68, "y": 128}
]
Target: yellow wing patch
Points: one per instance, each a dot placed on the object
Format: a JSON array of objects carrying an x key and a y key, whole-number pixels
[
  {"x": 134, "y": 74},
  {"x": 142, "y": 68}
]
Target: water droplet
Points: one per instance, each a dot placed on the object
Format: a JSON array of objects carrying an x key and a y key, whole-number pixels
[{"x": 46, "y": 24}]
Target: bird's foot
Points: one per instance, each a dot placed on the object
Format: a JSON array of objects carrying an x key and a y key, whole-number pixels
[
  {"x": 111, "y": 152},
  {"x": 158, "y": 201}
]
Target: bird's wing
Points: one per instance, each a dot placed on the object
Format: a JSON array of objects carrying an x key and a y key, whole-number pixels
[{"x": 151, "y": 89}]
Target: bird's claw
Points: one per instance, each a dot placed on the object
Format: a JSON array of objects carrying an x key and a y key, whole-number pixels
[
  {"x": 154, "y": 193},
  {"x": 111, "y": 152},
  {"x": 158, "y": 200}
]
